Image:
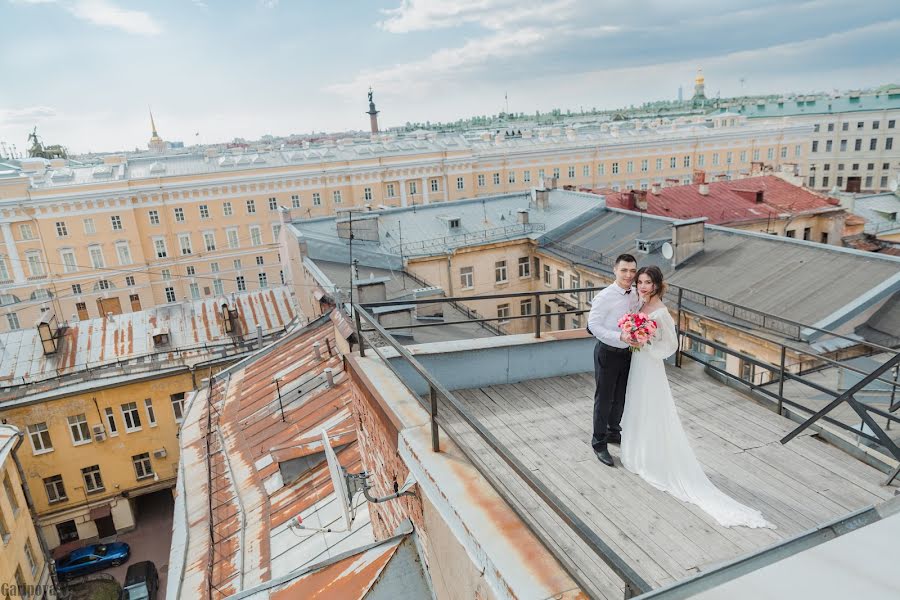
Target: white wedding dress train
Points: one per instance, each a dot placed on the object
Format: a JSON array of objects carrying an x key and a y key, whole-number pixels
[{"x": 654, "y": 444}]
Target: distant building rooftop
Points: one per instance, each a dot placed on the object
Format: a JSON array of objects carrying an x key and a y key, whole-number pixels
[{"x": 819, "y": 105}]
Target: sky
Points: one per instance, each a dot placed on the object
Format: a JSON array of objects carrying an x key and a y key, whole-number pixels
[{"x": 85, "y": 72}]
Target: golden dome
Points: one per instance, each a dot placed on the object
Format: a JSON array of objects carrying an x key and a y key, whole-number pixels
[{"x": 699, "y": 79}]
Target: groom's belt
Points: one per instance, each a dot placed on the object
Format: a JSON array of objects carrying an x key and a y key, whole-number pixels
[{"x": 609, "y": 348}]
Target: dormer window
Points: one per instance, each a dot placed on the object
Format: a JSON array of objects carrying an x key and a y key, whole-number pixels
[{"x": 454, "y": 223}]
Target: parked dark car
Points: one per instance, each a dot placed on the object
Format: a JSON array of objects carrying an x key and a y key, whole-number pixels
[
  {"x": 141, "y": 582},
  {"x": 92, "y": 558}
]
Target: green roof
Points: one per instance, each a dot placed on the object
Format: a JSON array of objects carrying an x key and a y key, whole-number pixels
[{"x": 818, "y": 105}]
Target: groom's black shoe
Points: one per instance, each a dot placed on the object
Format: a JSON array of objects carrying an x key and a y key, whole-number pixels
[
  {"x": 605, "y": 457},
  {"x": 613, "y": 438}
]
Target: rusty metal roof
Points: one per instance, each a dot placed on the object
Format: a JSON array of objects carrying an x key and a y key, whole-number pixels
[
  {"x": 250, "y": 464},
  {"x": 195, "y": 330}
]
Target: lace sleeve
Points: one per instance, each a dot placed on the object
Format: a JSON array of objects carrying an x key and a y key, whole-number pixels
[{"x": 665, "y": 341}]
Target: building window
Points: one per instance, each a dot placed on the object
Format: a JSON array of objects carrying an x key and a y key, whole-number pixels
[
  {"x": 503, "y": 311},
  {"x": 209, "y": 241},
  {"x": 390, "y": 190},
  {"x": 92, "y": 480},
  {"x": 116, "y": 222},
  {"x": 111, "y": 422},
  {"x": 540, "y": 173},
  {"x": 170, "y": 294},
  {"x": 560, "y": 279},
  {"x": 61, "y": 229},
  {"x": 123, "y": 253},
  {"x": 784, "y": 149},
  {"x": 845, "y": 126},
  {"x": 884, "y": 181},
  {"x": 166, "y": 274},
  {"x": 295, "y": 199},
  {"x": 317, "y": 199},
  {"x": 868, "y": 182},
  {"x": 435, "y": 186},
  {"x": 525, "y": 307},
  {"x": 825, "y": 182},
  {"x": 459, "y": 183},
  {"x": 466, "y": 277},
  {"x": 888, "y": 143},
  {"x": 860, "y": 124},
  {"x": 68, "y": 258},
  {"x": 548, "y": 316},
  {"x": 179, "y": 215},
  {"x": 40, "y": 438},
  {"x": 78, "y": 428},
  {"x": 76, "y": 288},
  {"x": 194, "y": 289},
  {"x": 236, "y": 264},
  {"x": 29, "y": 558},
  {"x": 241, "y": 283},
  {"x": 496, "y": 178},
  {"x": 89, "y": 226},
  {"x": 213, "y": 267},
  {"x": 255, "y": 236},
  {"x": 687, "y": 161},
  {"x": 130, "y": 414},
  {"x": 226, "y": 209},
  {"x": 273, "y": 204},
  {"x": 263, "y": 281},
  {"x": 629, "y": 166},
  {"x": 586, "y": 171},
  {"x": 276, "y": 231},
  {"x": 547, "y": 275},
  {"x": 56, "y": 491},
  {"x": 4, "y": 531},
  {"x": 184, "y": 242},
  {"x": 857, "y": 145},
  {"x": 96, "y": 254},
  {"x": 797, "y": 150},
  {"x": 142, "y": 466},
  {"x": 892, "y": 123},
  {"x": 251, "y": 207},
  {"x": 673, "y": 162},
  {"x": 824, "y": 238},
  {"x": 481, "y": 180},
  {"x": 524, "y": 267},
  {"x": 25, "y": 232},
  {"x": 67, "y": 531},
  {"x": 729, "y": 158},
  {"x": 870, "y": 167},
  {"x": 10, "y": 494},
  {"x": 571, "y": 172},
  {"x": 840, "y": 180},
  {"x": 336, "y": 196},
  {"x": 500, "y": 271},
  {"x": 790, "y": 233},
  {"x": 601, "y": 169},
  {"x": 232, "y": 236},
  {"x": 756, "y": 154},
  {"x": 843, "y": 145},
  {"x": 178, "y": 406},
  {"x": 81, "y": 307},
  {"x": 644, "y": 166},
  {"x": 615, "y": 168},
  {"x": 770, "y": 154},
  {"x": 512, "y": 176},
  {"x": 526, "y": 176},
  {"x": 574, "y": 283},
  {"x": 218, "y": 288},
  {"x": 148, "y": 406},
  {"x": 807, "y": 233},
  {"x": 260, "y": 260},
  {"x": 160, "y": 245},
  {"x": 35, "y": 264},
  {"x": 154, "y": 217},
  {"x": 556, "y": 173},
  {"x": 873, "y": 144},
  {"x": 4, "y": 270},
  {"x": 413, "y": 188}
]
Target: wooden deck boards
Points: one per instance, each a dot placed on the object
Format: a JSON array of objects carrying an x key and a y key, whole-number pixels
[{"x": 546, "y": 424}]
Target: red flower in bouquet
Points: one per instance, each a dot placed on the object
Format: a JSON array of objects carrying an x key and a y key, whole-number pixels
[{"x": 638, "y": 327}]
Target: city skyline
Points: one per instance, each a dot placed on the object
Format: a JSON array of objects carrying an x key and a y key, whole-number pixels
[{"x": 251, "y": 68}]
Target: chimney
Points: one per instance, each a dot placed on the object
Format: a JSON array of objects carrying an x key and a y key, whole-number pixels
[
  {"x": 522, "y": 217},
  {"x": 671, "y": 181},
  {"x": 542, "y": 199},
  {"x": 285, "y": 213},
  {"x": 703, "y": 189},
  {"x": 699, "y": 176},
  {"x": 316, "y": 351},
  {"x": 628, "y": 200},
  {"x": 641, "y": 199},
  {"x": 688, "y": 238},
  {"x": 654, "y": 188},
  {"x": 329, "y": 376}
]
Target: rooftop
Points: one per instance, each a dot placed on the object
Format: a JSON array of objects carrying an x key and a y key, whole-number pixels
[
  {"x": 252, "y": 460},
  {"x": 124, "y": 344},
  {"x": 820, "y": 105},
  {"x": 730, "y": 202},
  {"x": 881, "y": 212}
]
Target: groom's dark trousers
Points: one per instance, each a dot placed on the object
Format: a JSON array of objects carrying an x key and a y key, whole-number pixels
[{"x": 611, "y": 366}]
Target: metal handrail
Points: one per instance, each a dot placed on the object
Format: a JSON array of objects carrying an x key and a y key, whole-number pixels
[{"x": 634, "y": 583}]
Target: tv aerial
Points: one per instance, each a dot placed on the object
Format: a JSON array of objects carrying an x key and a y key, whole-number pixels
[{"x": 346, "y": 487}]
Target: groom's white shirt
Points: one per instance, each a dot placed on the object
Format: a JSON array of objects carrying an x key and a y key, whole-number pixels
[{"x": 608, "y": 306}]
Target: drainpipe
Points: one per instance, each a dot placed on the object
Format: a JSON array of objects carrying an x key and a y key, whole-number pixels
[{"x": 48, "y": 561}]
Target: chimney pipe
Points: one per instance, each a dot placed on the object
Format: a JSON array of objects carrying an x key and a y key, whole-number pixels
[
  {"x": 329, "y": 375},
  {"x": 703, "y": 189},
  {"x": 654, "y": 189},
  {"x": 258, "y": 337},
  {"x": 316, "y": 351},
  {"x": 523, "y": 217}
]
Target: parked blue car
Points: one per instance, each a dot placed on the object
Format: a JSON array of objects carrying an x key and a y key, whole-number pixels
[{"x": 92, "y": 558}]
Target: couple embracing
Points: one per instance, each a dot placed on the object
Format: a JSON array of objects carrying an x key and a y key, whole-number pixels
[{"x": 633, "y": 405}]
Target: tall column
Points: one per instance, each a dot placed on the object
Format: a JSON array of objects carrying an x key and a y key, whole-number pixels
[
  {"x": 13, "y": 253},
  {"x": 425, "y": 190},
  {"x": 403, "y": 192}
]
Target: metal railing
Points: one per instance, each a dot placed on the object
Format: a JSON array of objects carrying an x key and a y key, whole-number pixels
[{"x": 634, "y": 583}]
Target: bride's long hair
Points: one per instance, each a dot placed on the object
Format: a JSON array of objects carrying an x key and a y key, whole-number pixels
[{"x": 656, "y": 276}]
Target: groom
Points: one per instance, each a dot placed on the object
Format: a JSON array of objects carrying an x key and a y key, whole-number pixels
[{"x": 612, "y": 357}]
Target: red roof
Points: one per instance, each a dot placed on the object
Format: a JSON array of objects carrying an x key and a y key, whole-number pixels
[{"x": 729, "y": 202}]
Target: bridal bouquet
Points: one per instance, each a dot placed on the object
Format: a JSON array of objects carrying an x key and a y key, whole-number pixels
[{"x": 638, "y": 327}]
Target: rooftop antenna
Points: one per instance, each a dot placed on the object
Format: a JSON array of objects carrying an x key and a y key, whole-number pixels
[{"x": 346, "y": 487}]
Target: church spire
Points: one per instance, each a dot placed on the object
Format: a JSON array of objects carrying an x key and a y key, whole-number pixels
[{"x": 154, "y": 135}]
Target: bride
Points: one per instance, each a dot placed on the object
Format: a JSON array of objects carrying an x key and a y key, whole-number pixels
[{"x": 654, "y": 445}]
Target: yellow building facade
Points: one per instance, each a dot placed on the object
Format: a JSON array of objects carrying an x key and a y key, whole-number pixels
[
  {"x": 24, "y": 565},
  {"x": 147, "y": 231}
]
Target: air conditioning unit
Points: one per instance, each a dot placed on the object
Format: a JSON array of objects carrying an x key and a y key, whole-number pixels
[
  {"x": 161, "y": 453},
  {"x": 99, "y": 432}
]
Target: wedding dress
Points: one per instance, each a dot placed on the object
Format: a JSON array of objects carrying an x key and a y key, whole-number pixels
[{"x": 654, "y": 444}]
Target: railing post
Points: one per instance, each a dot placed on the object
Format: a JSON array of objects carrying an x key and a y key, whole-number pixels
[
  {"x": 435, "y": 442},
  {"x": 359, "y": 335},
  {"x": 537, "y": 316},
  {"x": 781, "y": 381},
  {"x": 678, "y": 335}
]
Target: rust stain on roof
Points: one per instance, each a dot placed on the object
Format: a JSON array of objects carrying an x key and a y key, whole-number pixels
[
  {"x": 275, "y": 306},
  {"x": 103, "y": 324},
  {"x": 204, "y": 314},
  {"x": 265, "y": 312}
]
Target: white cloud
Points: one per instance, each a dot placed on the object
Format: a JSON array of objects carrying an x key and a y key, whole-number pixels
[
  {"x": 268, "y": 3},
  {"x": 421, "y": 15},
  {"x": 31, "y": 114},
  {"x": 106, "y": 13}
]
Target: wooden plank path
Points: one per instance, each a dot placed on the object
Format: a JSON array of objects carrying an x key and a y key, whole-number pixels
[{"x": 546, "y": 424}]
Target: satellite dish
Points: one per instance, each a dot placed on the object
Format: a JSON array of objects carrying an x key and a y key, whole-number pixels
[
  {"x": 667, "y": 250},
  {"x": 338, "y": 480}
]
